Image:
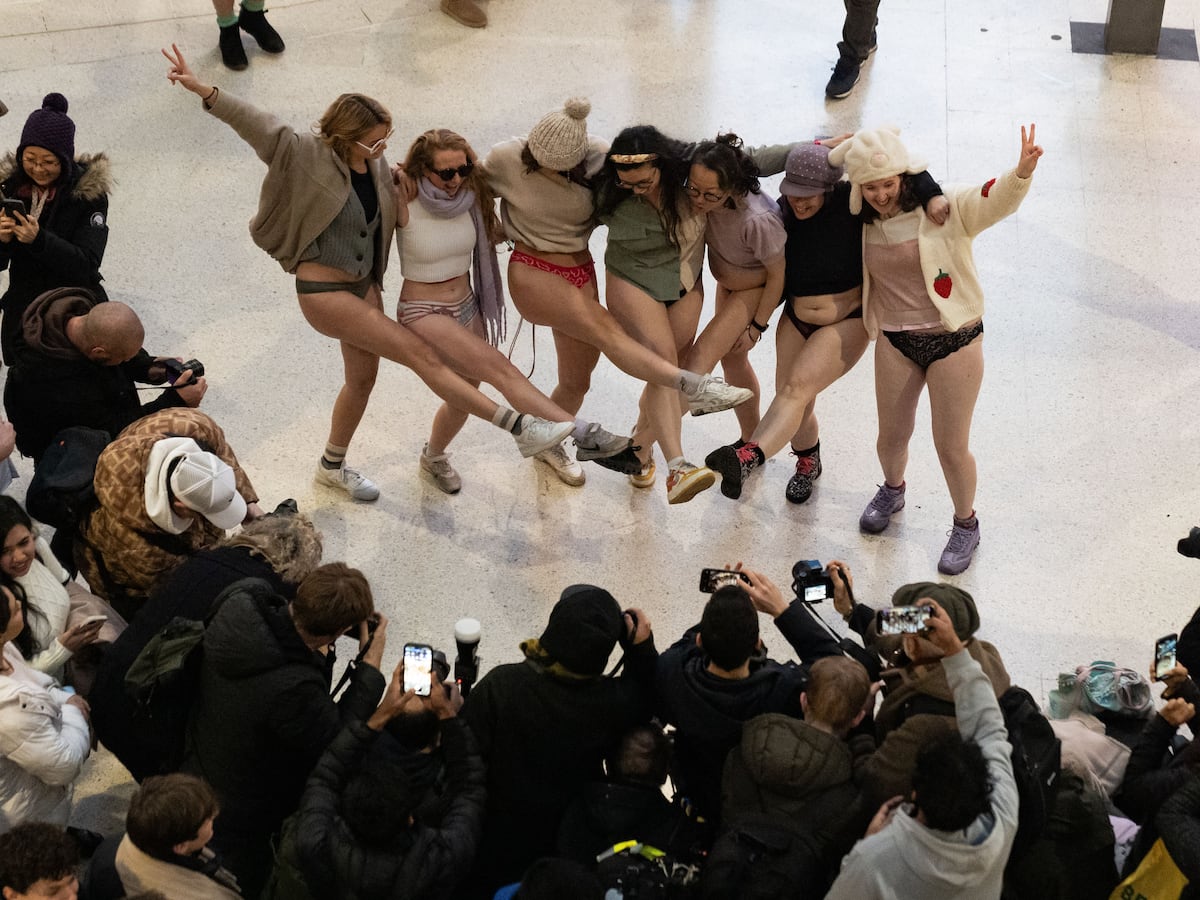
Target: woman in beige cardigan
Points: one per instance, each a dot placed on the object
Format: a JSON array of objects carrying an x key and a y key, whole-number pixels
[{"x": 921, "y": 291}]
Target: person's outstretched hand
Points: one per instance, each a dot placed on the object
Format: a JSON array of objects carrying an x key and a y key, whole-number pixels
[
  {"x": 180, "y": 73},
  {"x": 1030, "y": 152}
]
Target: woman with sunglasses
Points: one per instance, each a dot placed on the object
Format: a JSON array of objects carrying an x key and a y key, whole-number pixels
[
  {"x": 453, "y": 298},
  {"x": 653, "y": 259},
  {"x": 544, "y": 182},
  {"x": 327, "y": 211}
]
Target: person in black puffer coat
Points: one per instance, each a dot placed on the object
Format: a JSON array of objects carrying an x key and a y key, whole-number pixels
[{"x": 61, "y": 240}]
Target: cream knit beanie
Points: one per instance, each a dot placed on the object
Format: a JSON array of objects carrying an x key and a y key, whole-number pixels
[
  {"x": 871, "y": 156},
  {"x": 560, "y": 141}
]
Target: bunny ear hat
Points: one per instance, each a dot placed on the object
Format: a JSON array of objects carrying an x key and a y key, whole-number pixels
[{"x": 872, "y": 155}]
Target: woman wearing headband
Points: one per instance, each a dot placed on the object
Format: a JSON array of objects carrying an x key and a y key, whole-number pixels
[
  {"x": 327, "y": 211},
  {"x": 923, "y": 300},
  {"x": 652, "y": 263},
  {"x": 545, "y": 182},
  {"x": 446, "y": 237}
]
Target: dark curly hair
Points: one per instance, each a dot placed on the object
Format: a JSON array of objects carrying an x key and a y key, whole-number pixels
[
  {"x": 33, "y": 851},
  {"x": 671, "y": 158},
  {"x": 735, "y": 170},
  {"x": 952, "y": 784}
]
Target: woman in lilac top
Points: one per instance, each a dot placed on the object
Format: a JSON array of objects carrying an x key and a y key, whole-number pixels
[{"x": 745, "y": 240}]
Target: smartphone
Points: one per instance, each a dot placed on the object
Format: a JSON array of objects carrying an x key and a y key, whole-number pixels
[
  {"x": 418, "y": 665},
  {"x": 90, "y": 619},
  {"x": 13, "y": 205},
  {"x": 712, "y": 579},
  {"x": 1164, "y": 655},
  {"x": 903, "y": 619}
]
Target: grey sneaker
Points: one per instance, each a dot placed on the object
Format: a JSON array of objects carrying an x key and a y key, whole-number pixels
[
  {"x": 353, "y": 482},
  {"x": 886, "y": 502},
  {"x": 442, "y": 472},
  {"x": 597, "y": 443},
  {"x": 538, "y": 435},
  {"x": 714, "y": 395},
  {"x": 959, "y": 549},
  {"x": 568, "y": 470}
]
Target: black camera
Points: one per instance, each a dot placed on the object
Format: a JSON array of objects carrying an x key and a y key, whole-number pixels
[
  {"x": 810, "y": 584},
  {"x": 372, "y": 623},
  {"x": 175, "y": 369}
]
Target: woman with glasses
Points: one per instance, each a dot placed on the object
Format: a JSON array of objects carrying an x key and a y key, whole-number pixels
[
  {"x": 544, "y": 182},
  {"x": 54, "y": 222},
  {"x": 745, "y": 240},
  {"x": 653, "y": 259},
  {"x": 327, "y": 211},
  {"x": 453, "y": 298}
]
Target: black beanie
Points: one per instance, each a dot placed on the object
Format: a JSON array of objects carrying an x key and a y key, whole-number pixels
[
  {"x": 51, "y": 129},
  {"x": 584, "y": 627}
]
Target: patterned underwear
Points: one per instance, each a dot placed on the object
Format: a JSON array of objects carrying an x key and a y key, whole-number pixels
[
  {"x": 926, "y": 349},
  {"x": 576, "y": 275},
  {"x": 465, "y": 310}
]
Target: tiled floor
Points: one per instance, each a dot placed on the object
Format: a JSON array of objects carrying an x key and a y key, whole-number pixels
[{"x": 1086, "y": 432}]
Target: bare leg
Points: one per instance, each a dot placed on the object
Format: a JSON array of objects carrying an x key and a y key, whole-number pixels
[
  {"x": 544, "y": 298},
  {"x": 953, "y": 389},
  {"x": 576, "y": 362},
  {"x": 362, "y": 324},
  {"x": 223, "y": 8},
  {"x": 663, "y": 330},
  {"x": 722, "y": 341},
  {"x": 360, "y": 369},
  {"x": 898, "y": 385},
  {"x": 805, "y": 368}
]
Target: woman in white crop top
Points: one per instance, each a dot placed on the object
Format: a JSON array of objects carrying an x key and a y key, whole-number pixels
[{"x": 446, "y": 233}]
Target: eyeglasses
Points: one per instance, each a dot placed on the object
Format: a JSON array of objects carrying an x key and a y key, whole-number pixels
[
  {"x": 379, "y": 144},
  {"x": 643, "y": 185},
  {"x": 696, "y": 194},
  {"x": 461, "y": 171}
]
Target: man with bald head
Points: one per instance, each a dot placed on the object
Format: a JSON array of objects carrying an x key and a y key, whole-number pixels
[{"x": 79, "y": 365}]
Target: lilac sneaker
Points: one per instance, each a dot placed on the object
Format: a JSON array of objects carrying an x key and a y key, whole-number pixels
[
  {"x": 887, "y": 501},
  {"x": 959, "y": 549}
]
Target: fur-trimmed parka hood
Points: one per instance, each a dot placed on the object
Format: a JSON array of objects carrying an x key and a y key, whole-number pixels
[{"x": 91, "y": 179}]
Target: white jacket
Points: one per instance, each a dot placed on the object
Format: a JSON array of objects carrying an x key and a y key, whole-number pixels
[
  {"x": 45, "y": 586},
  {"x": 44, "y": 742}
]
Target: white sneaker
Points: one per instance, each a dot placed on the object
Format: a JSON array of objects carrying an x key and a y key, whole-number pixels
[
  {"x": 353, "y": 482},
  {"x": 715, "y": 395},
  {"x": 442, "y": 472},
  {"x": 645, "y": 478},
  {"x": 567, "y": 469},
  {"x": 538, "y": 435}
]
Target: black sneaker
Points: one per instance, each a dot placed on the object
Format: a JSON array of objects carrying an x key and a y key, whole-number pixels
[
  {"x": 734, "y": 466},
  {"x": 845, "y": 77},
  {"x": 626, "y": 462},
  {"x": 233, "y": 54},
  {"x": 808, "y": 470},
  {"x": 255, "y": 24}
]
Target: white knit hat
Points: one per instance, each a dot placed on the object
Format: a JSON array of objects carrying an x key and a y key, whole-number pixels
[
  {"x": 871, "y": 156},
  {"x": 560, "y": 140}
]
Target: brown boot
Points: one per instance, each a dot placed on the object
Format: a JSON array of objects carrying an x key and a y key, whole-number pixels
[{"x": 466, "y": 12}]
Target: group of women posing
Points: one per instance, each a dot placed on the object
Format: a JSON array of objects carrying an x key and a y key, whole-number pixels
[{"x": 901, "y": 266}]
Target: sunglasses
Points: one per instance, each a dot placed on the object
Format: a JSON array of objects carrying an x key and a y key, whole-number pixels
[
  {"x": 379, "y": 144},
  {"x": 447, "y": 174}
]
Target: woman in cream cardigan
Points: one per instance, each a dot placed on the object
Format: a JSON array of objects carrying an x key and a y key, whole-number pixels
[{"x": 921, "y": 291}]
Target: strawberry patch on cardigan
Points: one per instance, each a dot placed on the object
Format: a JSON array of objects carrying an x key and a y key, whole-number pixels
[
  {"x": 943, "y": 284},
  {"x": 987, "y": 187}
]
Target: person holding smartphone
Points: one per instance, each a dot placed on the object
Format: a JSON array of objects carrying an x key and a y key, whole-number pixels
[{"x": 54, "y": 221}]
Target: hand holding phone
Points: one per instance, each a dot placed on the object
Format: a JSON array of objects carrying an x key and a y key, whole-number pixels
[
  {"x": 714, "y": 579},
  {"x": 903, "y": 619},
  {"x": 418, "y": 669},
  {"x": 1164, "y": 655}
]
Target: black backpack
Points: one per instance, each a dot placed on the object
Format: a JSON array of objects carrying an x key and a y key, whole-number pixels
[
  {"x": 1037, "y": 762},
  {"x": 61, "y": 492},
  {"x": 761, "y": 861},
  {"x": 164, "y": 680}
]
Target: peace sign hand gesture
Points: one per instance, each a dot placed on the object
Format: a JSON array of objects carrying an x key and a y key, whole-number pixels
[
  {"x": 1031, "y": 152},
  {"x": 180, "y": 73}
]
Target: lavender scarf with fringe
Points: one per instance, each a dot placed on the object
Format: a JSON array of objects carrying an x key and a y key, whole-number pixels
[{"x": 485, "y": 267}]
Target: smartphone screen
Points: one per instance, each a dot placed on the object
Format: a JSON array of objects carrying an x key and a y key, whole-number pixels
[
  {"x": 1164, "y": 655},
  {"x": 713, "y": 579},
  {"x": 903, "y": 619},
  {"x": 418, "y": 664}
]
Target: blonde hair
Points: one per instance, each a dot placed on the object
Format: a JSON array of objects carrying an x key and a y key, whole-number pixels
[
  {"x": 420, "y": 160},
  {"x": 347, "y": 120},
  {"x": 289, "y": 544},
  {"x": 837, "y": 691}
]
